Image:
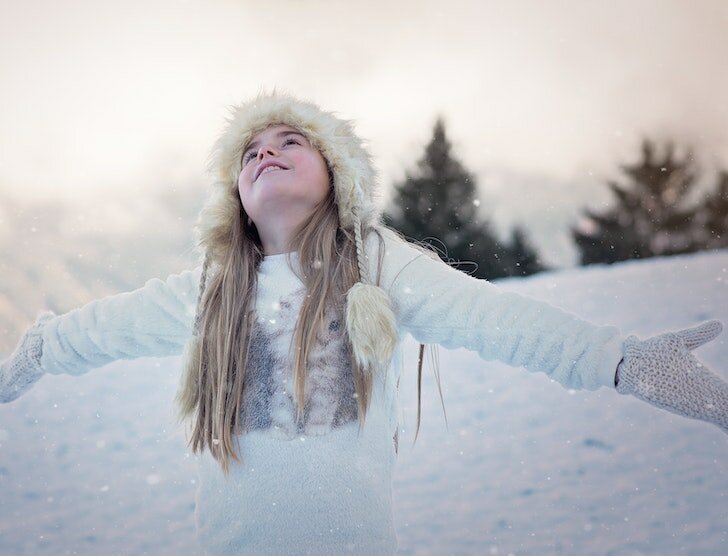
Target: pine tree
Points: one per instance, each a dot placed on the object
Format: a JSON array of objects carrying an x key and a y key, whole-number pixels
[
  {"x": 438, "y": 202},
  {"x": 650, "y": 217}
]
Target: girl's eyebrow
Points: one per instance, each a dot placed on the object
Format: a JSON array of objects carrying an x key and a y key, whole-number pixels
[{"x": 279, "y": 134}]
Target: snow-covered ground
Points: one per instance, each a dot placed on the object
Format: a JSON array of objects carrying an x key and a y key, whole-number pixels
[{"x": 97, "y": 464}]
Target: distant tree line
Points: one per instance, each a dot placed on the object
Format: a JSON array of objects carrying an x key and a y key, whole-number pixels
[{"x": 437, "y": 203}]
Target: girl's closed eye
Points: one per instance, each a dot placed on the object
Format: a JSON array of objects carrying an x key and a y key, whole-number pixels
[{"x": 248, "y": 156}]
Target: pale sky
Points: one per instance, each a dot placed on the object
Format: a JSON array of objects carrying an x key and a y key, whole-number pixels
[{"x": 543, "y": 100}]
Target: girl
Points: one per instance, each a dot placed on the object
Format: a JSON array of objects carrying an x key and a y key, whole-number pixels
[{"x": 291, "y": 330}]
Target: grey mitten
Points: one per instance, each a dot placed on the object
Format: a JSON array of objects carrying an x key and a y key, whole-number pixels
[
  {"x": 662, "y": 371},
  {"x": 22, "y": 369}
]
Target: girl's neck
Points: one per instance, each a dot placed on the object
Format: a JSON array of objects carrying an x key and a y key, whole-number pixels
[{"x": 277, "y": 231}]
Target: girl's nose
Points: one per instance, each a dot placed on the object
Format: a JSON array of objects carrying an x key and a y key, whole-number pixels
[{"x": 266, "y": 150}]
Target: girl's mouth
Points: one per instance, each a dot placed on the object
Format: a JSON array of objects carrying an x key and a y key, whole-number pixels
[{"x": 269, "y": 167}]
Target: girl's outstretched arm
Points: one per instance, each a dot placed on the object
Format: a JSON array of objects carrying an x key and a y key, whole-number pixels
[
  {"x": 154, "y": 320},
  {"x": 438, "y": 304}
]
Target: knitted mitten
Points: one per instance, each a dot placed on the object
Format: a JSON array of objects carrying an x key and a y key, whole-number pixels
[
  {"x": 22, "y": 369},
  {"x": 662, "y": 371}
]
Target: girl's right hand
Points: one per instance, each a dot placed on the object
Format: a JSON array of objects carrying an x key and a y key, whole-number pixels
[{"x": 22, "y": 369}]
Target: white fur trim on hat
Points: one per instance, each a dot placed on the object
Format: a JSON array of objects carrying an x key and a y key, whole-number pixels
[{"x": 345, "y": 153}]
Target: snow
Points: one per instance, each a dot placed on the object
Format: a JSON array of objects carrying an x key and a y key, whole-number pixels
[{"x": 97, "y": 464}]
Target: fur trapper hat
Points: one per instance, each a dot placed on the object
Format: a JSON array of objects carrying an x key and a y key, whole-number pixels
[{"x": 369, "y": 317}]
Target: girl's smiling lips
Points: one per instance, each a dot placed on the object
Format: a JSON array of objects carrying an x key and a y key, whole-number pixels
[{"x": 268, "y": 164}]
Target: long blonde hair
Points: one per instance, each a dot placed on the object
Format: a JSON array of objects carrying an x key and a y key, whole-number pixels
[{"x": 328, "y": 265}]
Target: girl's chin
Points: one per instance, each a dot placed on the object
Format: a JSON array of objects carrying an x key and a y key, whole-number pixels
[
  {"x": 274, "y": 187},
  {"x": 277, "y": 206},
  {"x": 272, "y": 175}
]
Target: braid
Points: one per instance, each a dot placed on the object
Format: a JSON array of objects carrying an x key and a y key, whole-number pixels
[
  {"x": 203, "y": 280},
  {"x": 363, "y": 271}
]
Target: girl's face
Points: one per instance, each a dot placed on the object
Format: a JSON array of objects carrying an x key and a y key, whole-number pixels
[{"x": 282, "y": 176}]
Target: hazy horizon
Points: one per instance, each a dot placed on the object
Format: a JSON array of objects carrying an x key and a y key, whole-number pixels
[{"x": 543, "y": 101}]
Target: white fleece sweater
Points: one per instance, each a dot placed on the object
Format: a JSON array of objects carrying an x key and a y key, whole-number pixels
[{"x": 319, "y": 486}]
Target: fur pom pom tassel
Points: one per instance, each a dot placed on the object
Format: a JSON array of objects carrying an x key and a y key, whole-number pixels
[
  {"x": 188, "y": 392},
  {"x": 371, "y": 325}
]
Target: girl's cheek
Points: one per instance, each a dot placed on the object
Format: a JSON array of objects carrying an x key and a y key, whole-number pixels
[{"x": 241, "y": 179}]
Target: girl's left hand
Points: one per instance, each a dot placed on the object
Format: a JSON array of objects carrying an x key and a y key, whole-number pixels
[
  {"x": 662, "y": 371},
  {"x": 20, "y": 371}
]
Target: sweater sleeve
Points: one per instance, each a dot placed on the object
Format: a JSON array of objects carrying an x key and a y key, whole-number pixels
[
  {"x": 154, "y": 320},
  {"x": 436, "y": 303}
]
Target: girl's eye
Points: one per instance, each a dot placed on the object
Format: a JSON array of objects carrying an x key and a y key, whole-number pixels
[
  {"x": 248, "y": 156},
  {"x": 290, "y": 140}
]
